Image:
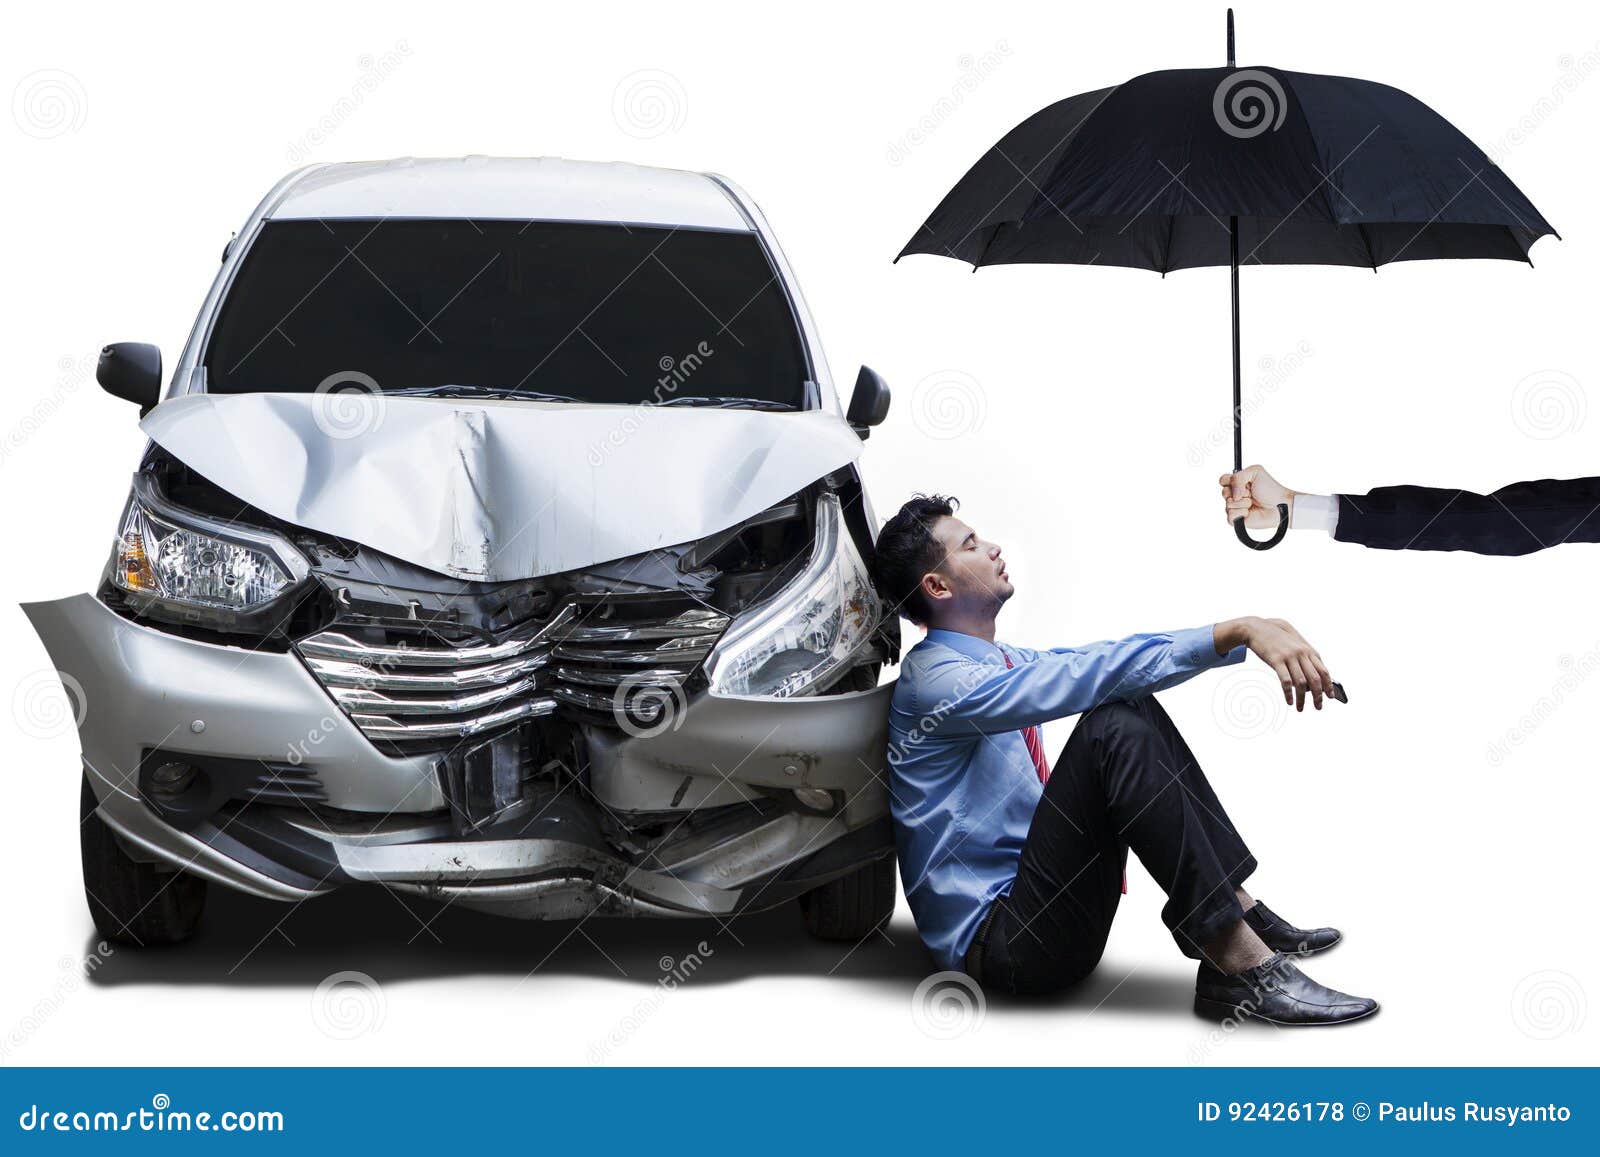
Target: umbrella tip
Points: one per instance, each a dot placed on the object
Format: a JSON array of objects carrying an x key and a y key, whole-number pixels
[{"x": 1230, "y": 38}]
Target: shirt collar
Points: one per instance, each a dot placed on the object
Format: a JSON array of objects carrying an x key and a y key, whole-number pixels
[{"x": 969, "y": 645}]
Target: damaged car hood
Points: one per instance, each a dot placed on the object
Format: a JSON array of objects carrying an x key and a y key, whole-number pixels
[{"x": 495, "y": 490}]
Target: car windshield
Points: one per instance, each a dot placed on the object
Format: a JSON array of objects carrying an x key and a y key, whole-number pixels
[{"x": 596, "y": 313}]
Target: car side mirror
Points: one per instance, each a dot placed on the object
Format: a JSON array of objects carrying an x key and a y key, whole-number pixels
[
  {"x": 869, "y": 402},
  {"x": 131, "y": 370}
]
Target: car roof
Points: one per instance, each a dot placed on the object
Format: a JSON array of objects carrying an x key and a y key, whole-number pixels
[{"x": 517, "y": 188}]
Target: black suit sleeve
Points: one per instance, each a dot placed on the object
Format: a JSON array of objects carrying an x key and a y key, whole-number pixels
[{"x": 1516, "y": 519}]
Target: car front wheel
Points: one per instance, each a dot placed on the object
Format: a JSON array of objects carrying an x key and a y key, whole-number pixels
[
  {"x": 853, "y": 906},
  {"x": 133, "y": 902}
]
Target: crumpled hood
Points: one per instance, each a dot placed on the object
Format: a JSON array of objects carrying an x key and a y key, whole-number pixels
[{"x": 499, "y": 490}]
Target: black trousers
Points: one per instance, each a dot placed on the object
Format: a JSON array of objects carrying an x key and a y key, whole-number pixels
[{"x": 1126, "y": 779}]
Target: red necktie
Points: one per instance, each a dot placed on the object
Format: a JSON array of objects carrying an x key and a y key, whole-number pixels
[{"x": 1030, "y": 736}]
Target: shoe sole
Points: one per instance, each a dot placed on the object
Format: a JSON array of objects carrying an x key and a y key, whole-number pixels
[{"x": 1218, "y": 1010}]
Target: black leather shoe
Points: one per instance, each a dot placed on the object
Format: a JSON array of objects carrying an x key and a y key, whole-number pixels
[
  {"x": 1281, "y": 936},
  {"x": 1277, "y": 992}
]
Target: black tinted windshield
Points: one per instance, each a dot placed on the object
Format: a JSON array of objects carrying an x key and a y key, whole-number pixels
[{"x": 602, "y": 313}]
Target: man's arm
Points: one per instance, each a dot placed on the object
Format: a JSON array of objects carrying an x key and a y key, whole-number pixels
[
  {"x": 1517, "y": 519},
  {"x": 964, "y": 697}
]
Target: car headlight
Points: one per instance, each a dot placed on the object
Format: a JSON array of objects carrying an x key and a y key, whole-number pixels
[
  {"x": 809, "y": 631},
  {"x": 182, "y": 557}
]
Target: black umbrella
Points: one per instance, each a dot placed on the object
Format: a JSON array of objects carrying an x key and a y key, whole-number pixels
[{"x": 1228, "y": 166}]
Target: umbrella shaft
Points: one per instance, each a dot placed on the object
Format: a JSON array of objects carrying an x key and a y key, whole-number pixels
[{"x": 1233, "y": 273}]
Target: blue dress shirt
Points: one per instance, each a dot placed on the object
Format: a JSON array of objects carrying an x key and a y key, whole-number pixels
[{"x": 961, "y": 782}]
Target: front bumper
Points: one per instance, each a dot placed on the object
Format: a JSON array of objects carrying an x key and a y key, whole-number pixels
[{"x": 381, "y": 817}]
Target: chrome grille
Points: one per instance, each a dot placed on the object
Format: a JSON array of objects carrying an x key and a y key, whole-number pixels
[{"x": 398, "y": 693}]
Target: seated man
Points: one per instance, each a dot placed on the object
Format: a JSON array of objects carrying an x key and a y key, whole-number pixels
[{"x": 1014, "y": 867}]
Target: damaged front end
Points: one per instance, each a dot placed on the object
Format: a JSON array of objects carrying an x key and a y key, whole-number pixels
[{"x": 692, "y": 729}]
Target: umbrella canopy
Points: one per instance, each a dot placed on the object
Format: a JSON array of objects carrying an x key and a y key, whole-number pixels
[
  {"x": 1319, "y": 170},
  {"x": 1233, "y": 166}
]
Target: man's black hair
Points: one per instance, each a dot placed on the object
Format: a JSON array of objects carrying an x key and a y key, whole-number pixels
[{"x": 907, "y": 550}]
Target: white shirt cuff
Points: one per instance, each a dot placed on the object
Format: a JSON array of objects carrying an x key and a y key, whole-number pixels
[{"x": 1314, "y": 512}]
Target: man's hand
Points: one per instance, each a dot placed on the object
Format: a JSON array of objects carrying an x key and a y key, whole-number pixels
[
  {"x": 1298, "y": 666},
  {"x": 1253, "y": 495}
]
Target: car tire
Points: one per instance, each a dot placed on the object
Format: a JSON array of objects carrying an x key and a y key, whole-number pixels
[
  {"x": 852, "y": 906},
  {"x": 132, "y": 902}
]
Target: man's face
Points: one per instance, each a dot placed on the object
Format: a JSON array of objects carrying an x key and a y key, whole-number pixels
[{"x": 971, "y": 577}]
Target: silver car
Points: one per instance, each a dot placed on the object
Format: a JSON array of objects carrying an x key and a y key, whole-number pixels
[{"x": 499, "y": 539}]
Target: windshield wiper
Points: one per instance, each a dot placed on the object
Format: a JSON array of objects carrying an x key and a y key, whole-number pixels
[
  {"x": 470, "y": 391},
  {"x": 480, "y": 392},
  {"x": 725, "y": 403}
]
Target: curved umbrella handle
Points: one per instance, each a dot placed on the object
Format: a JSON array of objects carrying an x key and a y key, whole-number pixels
[{"x": 1264, "y": 543}]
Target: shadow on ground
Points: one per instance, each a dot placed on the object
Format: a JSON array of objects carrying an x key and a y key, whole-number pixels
[{"x": 247, "y": 942}]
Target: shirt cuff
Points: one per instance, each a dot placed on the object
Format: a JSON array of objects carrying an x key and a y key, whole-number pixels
[
  {"x": 1197, "y": 648},
  {"x": 1314, "y": 512}
]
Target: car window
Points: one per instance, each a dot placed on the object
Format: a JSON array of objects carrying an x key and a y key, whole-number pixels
[{"x": 602, "y": 313}]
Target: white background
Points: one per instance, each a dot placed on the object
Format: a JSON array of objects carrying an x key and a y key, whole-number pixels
[{"x": 1079, "y": 413}]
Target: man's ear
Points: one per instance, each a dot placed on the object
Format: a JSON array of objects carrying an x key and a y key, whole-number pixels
[{"x": 935, "y": 587}]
